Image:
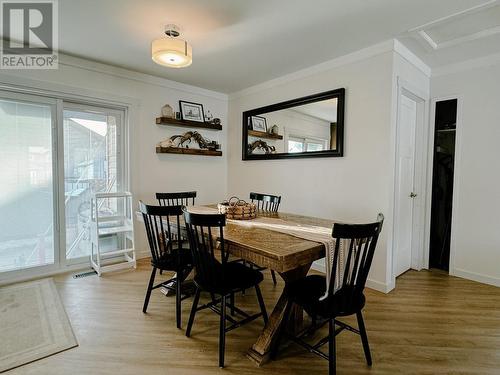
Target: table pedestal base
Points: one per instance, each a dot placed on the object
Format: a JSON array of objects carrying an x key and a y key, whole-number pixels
[{"x": 260, "y": 351}]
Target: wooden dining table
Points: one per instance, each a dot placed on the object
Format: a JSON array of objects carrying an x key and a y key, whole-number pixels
[{"x": 288, "y": 255}]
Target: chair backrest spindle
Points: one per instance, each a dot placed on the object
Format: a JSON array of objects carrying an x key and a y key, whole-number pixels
[
  {"x": 184, "y": 198},
  {"x": 362, "y": 241},
  {"x": 204, "y": 233},
  {"x": 162, "y": 239},
  {"x": 266, "y": 202}
]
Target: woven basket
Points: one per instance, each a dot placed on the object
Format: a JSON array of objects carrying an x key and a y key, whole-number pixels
[{"x": 238, "y": 209}]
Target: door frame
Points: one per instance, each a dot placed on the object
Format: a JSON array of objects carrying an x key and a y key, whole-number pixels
[
  {"x": 120, "y": 114},
  {"x": 420, "y": 174},
  {"x": 456, "y": 177}
]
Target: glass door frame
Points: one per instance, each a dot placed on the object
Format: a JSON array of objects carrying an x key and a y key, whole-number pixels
[
  {"x": 121, "y": 116},
  {"x": 58, "y": 102},
  {"x": 35, "y": 271}
]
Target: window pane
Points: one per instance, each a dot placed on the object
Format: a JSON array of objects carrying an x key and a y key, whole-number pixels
[
  {"x": 312, "y": 146},
  {"x": 294, "y": 146},
  {"x": 26, "y": 190},
  {"x": 90, "y": 166}
]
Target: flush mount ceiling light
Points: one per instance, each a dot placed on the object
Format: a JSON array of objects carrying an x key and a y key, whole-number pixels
[{"x": 172, "y": 51}]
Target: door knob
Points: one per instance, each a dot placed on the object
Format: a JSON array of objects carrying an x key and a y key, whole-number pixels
[{"x": 413, "y": 195}]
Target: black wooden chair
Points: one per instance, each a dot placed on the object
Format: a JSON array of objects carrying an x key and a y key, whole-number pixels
[
  {"x": 183, "y": 198},
  {"x": 167, "y": 252},
  {"x": 218, "y": 276},
  {"x": 266, "y": 203},
  {"x": 345, "y": 298}
]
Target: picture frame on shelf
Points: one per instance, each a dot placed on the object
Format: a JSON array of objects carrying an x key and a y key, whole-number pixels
[
  {"x": 259, "y": 123},
  {"x": 191, "y": 111}
]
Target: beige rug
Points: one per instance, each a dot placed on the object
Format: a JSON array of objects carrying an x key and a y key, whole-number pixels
[{"x": 33, "y": 323}]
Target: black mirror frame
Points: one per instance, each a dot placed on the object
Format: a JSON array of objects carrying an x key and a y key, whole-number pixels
[{"x": 339, "y": 152}]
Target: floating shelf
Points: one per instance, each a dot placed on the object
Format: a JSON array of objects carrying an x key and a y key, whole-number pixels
[
  {"x": 187, "y": 124},
  {"x": 256, "y": 133},
  {"x": 188, "y": 151},
  {"x": 446, "y": 130}
]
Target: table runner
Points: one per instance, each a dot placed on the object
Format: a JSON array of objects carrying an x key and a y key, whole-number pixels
[
  {"x": 319, "y": 234},
  {"x": 313, "y": 233}
]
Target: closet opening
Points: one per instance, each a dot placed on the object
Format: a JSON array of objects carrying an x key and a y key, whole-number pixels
[{"x": 442, "y": 183}]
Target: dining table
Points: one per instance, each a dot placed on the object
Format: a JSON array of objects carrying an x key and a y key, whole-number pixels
[{"x": 288, "y": 255}]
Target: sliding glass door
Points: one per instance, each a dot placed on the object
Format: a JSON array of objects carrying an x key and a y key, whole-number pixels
[
  {"x": 54, "y": 156},
  {"x": 91, "y": 165},
  {"x": 27, "y": 189}
]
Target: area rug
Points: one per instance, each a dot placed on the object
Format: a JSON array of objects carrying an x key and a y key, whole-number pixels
[{"x": 33, "y": 323}]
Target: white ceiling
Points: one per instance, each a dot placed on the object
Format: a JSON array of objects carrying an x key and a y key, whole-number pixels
[
  {"x": 240, "y": 43},
  {"x": 325, "y": 110}
]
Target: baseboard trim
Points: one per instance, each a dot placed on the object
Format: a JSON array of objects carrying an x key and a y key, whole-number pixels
[
  {"x": 485, "y": 279},
  {"x": 67, "y": 269},
  {"x": 370, "y": 283}
]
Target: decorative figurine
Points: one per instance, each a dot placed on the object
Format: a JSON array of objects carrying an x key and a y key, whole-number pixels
[
  {"x": 274, "y": 129},
  {"x": 261, "y": 145},
  {"x": 209, "y": 116},
  {"x": 213, "y": 146},
  {"x": 166, "y": 143},
  {"x": 216, "y": 121},
  {"x": 167, "y": 111},
  {"x": 187, "y": 138}
]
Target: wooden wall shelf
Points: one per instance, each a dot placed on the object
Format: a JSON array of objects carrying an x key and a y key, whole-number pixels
[
  {"x": 187, "y": 151},
  {"x": 187, "y": 124},
  {"x": 256, "y": 133}
]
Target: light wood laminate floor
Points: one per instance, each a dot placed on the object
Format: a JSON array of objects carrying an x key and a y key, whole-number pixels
[{"x": 430, "y": 324}]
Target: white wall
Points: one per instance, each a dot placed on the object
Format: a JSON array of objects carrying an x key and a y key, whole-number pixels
[
  {"x": 476, "y": 241},
  {"x": 352, "y": 188},
  {"x": 149, "y": 172}
]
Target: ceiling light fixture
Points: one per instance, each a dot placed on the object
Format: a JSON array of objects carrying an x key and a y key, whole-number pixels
[{"x": 172, "y": 51}]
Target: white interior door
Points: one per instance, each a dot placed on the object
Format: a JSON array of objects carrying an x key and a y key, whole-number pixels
[{"x": 403, "y": 221}]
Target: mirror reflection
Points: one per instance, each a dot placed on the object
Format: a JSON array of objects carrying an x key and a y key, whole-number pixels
[{"x": 302, "y": 127}]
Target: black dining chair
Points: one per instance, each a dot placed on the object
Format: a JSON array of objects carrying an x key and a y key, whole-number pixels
[
  {"x": 215, "y": 275},
  {"x": 183, "y": 198},
  {"x": 266, "y": 203},
  {"x": 345, "y": 297},
  {"x": 168, "y": 252}
]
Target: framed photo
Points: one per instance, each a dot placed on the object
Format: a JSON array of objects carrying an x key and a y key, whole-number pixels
[
  {"x": 191, "y": 111},
  {"x": 259, "y": 123}
]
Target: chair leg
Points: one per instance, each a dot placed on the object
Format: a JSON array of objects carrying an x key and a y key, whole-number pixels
[
  {"x": 364, "y": 338},
  {"x": 150, "y": 288},
  {"x": 332, "y": 360},
  {"x": 178, "y": 291},
  {"x": 281, "y": 330},
  {"x": 261, "y": 304},
  {"x": 222, "y": 332},
  {"x": 231, "y": 301},
  {"x": 193, "y": 312},
  {"x": 273, "y": 275}
]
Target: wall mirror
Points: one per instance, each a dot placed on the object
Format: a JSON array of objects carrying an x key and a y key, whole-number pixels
[{"x": 312, "y": 126}]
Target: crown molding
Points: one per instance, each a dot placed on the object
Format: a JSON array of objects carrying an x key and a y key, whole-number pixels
[
  {"x": 413, "y": 59},
  {"x": 111, "y": 70}
]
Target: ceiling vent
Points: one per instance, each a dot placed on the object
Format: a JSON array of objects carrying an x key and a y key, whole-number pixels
[{"x": 468, "y": 25}]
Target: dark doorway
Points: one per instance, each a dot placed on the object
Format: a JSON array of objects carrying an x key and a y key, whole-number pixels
[{"x": 442, "y": 183}]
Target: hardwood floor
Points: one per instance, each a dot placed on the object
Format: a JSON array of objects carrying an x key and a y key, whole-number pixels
[{"x": 432, "y": 323}]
